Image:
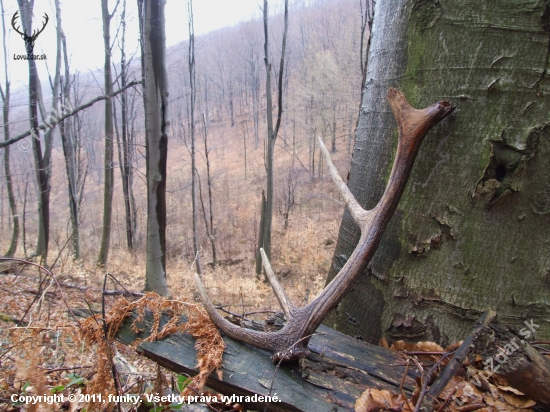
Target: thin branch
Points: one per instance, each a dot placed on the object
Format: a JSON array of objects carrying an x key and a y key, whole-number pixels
[
  {"x": 47, "y": 126},
  {"x": 281, "y": 69},
  {"x": 53, "y": 278}
]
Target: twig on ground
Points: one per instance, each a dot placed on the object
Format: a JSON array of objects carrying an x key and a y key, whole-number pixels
[
  {"x": 49, "y": 273},
  {"x": 402, "y": 384}
]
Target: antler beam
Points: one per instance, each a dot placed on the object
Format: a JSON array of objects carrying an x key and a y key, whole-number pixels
[{"x": 291, "y": 341}]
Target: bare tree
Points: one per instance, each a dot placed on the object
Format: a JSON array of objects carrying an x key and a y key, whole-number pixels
[
  {"x": 250, "y": 56},
  {"x": 272, "y": 131},
  {"x": 156, "y": 125},
  {"x": 109, "y": 137},
  {"x": 208, "y": 221},
  {"x": 124, "y": 150},
  {"x": 192, "y": 101},
  {"x": 289, "y": 183},
  {"x": 66, "y": 130},
  {"x": 5, "y": 92},
  {"x": 42, "y": 160}
]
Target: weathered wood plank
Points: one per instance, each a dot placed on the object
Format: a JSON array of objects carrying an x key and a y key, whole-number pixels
[{"x": 331, "y": 378}]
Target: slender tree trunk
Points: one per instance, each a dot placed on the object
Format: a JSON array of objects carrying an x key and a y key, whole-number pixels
[
  {"x": 124, "y": 148},
  {"x": 470, "y": 231},
  {"x": 333, "y": 128},
  {"x": 156, "y": 125},
  {"x": 260, "y": 236},
  {"x": 272, "y": 130},
  {"x": 66, "y": 129},
  {"x": 7, "y": 170},
  {"x": 24, "y": 231},
  {"x": 256, "y": 107},
  {"x": 209, "y": 223},
  {"x": 40, "y": 160},
  {"x": 109, "y": 137},
  {"x": 193, "y": 95},
  {"x": 245, "y": 129}
]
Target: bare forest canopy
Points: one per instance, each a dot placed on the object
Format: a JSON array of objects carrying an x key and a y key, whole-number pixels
[{"x": 322, "y": 86}]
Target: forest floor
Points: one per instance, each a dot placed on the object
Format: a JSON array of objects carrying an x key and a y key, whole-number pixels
[{"x": 50, "y": 352}]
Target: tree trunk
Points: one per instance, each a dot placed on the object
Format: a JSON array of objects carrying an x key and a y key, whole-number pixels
[
  {"x": 468, "y": 233},
  {"x": 260, "y": 237},
  {"x": 7, "y": 170},
  {"x": 109, "y": 134},
  {"x": 209, "y": 223},
  {"x": 124, "y": 151},
  {"x": 192, "y": 98},
  {"x": 69, "y": 151},
  {"x": 272, "y": 130},
  {"x": 41, "y": 160},
  {"x": 156, "y": 119}
]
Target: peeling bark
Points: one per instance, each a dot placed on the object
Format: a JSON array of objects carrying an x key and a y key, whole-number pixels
[{"x": 472, "y": 228}]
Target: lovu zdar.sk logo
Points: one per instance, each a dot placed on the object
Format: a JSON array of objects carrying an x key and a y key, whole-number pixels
[{"x": 29, "y": 40}]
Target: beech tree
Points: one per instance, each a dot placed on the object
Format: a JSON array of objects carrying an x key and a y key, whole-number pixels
[
  {"x": 192, "y": 101},
  {"x": 156, "y": 135},
  {"x": 67, "y": 133},
  {"x": 109, "y": 137},
  {"x": 42, "y": 158},
  {"x": 5, "y": 94},
  {"x": 264, "y": 242},
  {"x": 473, "y": 226}
]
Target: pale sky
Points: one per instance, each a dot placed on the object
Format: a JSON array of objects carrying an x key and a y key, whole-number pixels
[{"x": 81, "y": 20}]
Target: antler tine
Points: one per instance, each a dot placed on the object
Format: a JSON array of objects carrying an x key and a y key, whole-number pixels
[
  {"x": 291, "y": 341},
  {"x": 360, "y": 215},
  {"x": 285, "y": 303},
  {"x": 254, "y": 338}
]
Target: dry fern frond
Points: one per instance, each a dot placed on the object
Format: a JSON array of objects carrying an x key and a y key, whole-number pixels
[{"x": 209, "y": 343}]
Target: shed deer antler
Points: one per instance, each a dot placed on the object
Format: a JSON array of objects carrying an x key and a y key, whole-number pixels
[{"x": 291, "y": 341}]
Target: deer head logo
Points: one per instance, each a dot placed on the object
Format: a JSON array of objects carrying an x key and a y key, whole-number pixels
[{"x": 29, "y": 40}]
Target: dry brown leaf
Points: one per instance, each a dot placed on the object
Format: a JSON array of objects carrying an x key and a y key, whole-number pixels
[
  {"x": 510, "y": 389},
  {"x": 373, "y": 400},
  {"x": 416, "y": 347},
  {"x": 450, "y": 387},
  {"x": 453, "y": 346},
  {"x": 518, "y": 401}
]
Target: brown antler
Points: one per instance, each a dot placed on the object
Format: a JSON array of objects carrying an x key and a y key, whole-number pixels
[{"x": 291, "y": 341}]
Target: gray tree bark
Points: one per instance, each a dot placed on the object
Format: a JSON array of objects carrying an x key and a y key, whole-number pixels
[
  {"x": 192, "y": 101},
  {"x": 124, "y": 149},
  {"x": 272, "y": 130},
  {"x": 66, "y": 130},
  {"x": 41, "y": 159},
  {"x": 473, "y": 226},
  {"x": 5, "y": 92},
  {"x": 156, "y": 126},
  {"x": 109, "y": 175}
]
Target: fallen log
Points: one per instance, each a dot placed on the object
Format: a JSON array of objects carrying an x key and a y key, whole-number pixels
[
  {"x": 506, "y": 353},
  {"x": 331, "y": 378}
]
